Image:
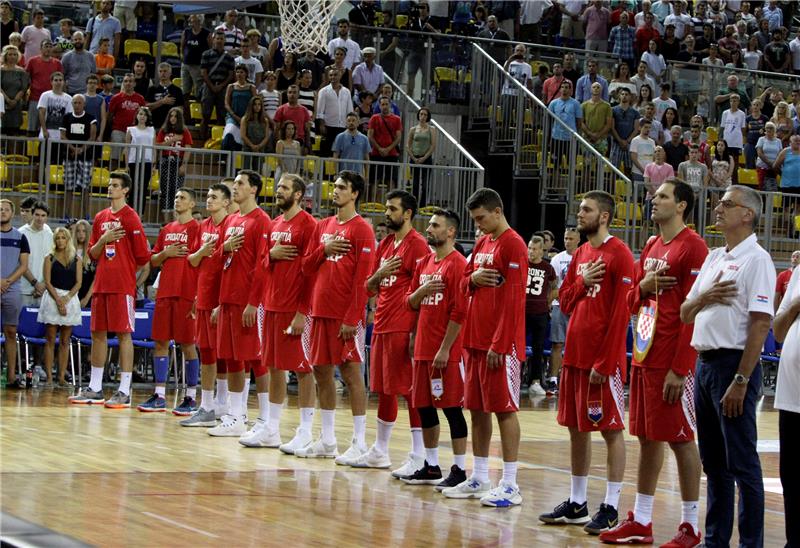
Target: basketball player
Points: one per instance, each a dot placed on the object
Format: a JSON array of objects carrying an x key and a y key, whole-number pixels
[
  {"x": 240, "y": 293},
  {"x": 591, "y": 395},
  {"x": 662, "y": 376},
  {"x": 173, "y": 318},
  {"x": 390, "y": 356},
  {"x": 341, "y": 259},
  {"x": 208, "y": 263},
  {"x": 494, "y": 339},
  {"x": 119, "y": 246},
  {"x": 287, "y": 321},
  {"x": 436, "y": 291},
  {"x": 558, "y": 320}
]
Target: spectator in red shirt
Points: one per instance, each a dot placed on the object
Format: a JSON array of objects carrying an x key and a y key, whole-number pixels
[
  {"x": 645, "y": 34},
  {"x": 384, "y": 133},
  {"x": 122, "y": 111},
  {"x": 40, "y": 68},
  {"x": 782, "y": 282},
  {"x": 298, "y": 114}
]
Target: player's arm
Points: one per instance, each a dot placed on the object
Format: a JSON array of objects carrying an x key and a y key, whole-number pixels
[
  {"x": 317, "y": 252},
  {"x": 621, "y": 273},
  {"x": 259, "y": 274},
  {"x": 636, "y": 294},
  {"x": 450, "y": 336},
  {"x": 685, "y": 355},
  {"x": 365, "y": 250},
  {"x": 512, "y": 306},
  {"x": 417, "y": 293},
  {"x": 572, "y": 290},
  {"x": 385, "y": 270},
  {"x": 207, "y": 249},
  {"x": 139, "y": 244},
  {"x": 161, "y": 252}
]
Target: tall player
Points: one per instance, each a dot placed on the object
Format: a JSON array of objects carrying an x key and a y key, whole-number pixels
[
  {"x": 287, "y": 319},
  {"x": 240, "y": 292},
  {"x": 173, "y": 317},
  {"x": 559, "y": 320},
  {"x": 437, "y": 292},
  {"x": 119, "y": 246},
  {"x": 341, "y": 259},
  {"x": 494, "y": 339},
  {"x": 662, "y": 376},
  {"x": 208, "y": 262},
  {"x": 591, "y": 396},
  {"x": 390, "y": 356}
]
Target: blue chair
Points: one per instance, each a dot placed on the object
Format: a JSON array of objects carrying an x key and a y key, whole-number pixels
[
  {"x": 82, "y": 336},
  {"x": 770, "y": 357},
  {"x": 31, "y": 331},
  {"x": 142, "y": 338}
]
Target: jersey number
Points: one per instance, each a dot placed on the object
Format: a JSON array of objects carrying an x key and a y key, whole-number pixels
[{"x": 535, "y": 285}]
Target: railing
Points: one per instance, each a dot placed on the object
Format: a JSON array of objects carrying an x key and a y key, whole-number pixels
[
  {"x": 778, "y": 229},
  {"x": 41, "y": 169},
  {"x": 520, "y": 123}
]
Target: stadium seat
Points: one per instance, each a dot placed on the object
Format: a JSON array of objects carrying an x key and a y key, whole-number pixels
[
  {"x": 195, "y": 110},
  {"x": 712, "y": 135},
  {"x": 401, "y": 21},
  {"x": 155, "y": 181},
  {"x": 134, "y": 46},
  {"x": 316, "y": 146},
  {"x": 535, "y": 67},
  {"x": 16, "y": 160},
  {"x": 217, "y": 131},
  {"x": 105, "y": 155},
  {"x": 748, "y": 177},
  {"x": 32, "y": 148},
  {"x": 177, "y": 82},
  {"x": 100, "y": 177},
  {"x": 268, "y": 188},
  {"x": 168, "y": 49},
  {"x": 56, "y": 175}
]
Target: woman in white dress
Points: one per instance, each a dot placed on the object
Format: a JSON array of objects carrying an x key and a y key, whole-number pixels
[{"x": 60, "y": 308}]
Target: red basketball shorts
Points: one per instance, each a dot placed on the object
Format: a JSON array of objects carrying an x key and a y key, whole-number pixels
[
  {"x": 172, "y": 320},
  {"x": 282, "y": 351},
  {"x": 205, "y": 334},
  {"x": 327, "y": 348},
  {"x": 452, "y": 384},
  {"x": 491, "y": 390},
  {"x": 590, "y": 407},
  {"x": 652, "y": 417},
  {"x": 234, "y": 341},
  {"x": 114, "y": 312},
  {"x": 390, "y": 364}
]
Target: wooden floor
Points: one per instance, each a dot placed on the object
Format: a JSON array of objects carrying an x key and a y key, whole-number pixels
[{"x": 123, "y": 478}]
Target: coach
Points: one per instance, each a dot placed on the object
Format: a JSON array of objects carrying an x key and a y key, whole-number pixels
[{"x": 731, "y": 306}]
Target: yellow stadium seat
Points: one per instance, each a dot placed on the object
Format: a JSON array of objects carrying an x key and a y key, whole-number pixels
[
  {"x": 712, "y": 135},
  {"x": 238, "y": 161},
  {"x": 268, "y": 188},
  {"x": 168, "y": 49},
  {"x": 748, "y": 177},
  {"x": 195, "y": 110},
  {"x": 272, "y": 163},
  {"x": 401, "y": 21},
  {"x": 56, "y": 175},
  {"x": 373, "y": 207},
  {"x": 317, "y": 144},
  {"x": 444, "y": 74},
  {"x": 32, "y": 148},
  {"x": 24, "y": 119},
  {"x": 16, "y": 160},
  {"x": 27, "y": 188},
  {"x": 100, "y": 177},
  {"x": 3, "y": 172},
  {"x": 178, "y": 82},
  {"x": 136, "y": 46},
  {"x": 330, "y": 168},
  {"x": 327, "y": 191},
  {"x": 535, "y": 67},
  {"x": 621, "y": 190},
  {"x": 217, "y": 131},
  {"x": 106, "y": 153},
  {"x": 155, "y": 181},
  {"x": 311, "y": 164},
  {"x": 797, "y": 223},
  {"x": 213, "y": 144}
]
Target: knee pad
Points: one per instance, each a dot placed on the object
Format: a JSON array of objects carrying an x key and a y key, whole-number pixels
[
  {"x": 387, "y": 407},
  {"x": 429, "y": 417},
  {"x": 455, "y": 418}
]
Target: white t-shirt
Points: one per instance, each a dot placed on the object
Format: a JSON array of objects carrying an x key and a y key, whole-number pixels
[
  {"x": 56, "y": 107},
  {"x": 725, "y": 326},
  {"x": 253, "y": 65},
  {"x": 661, "y": 106},
  {"x": 560, "y": 263},
  {"x": 681, "y": 22},
  {"x": 522, "y": 73},
  {"x": 144, "y": 136},
  {"x": 794, "y": 47},
  {"x": 41, "y": 244},
  {"x": 272, "y": 100},
  {"x": 645, "y": 148},
  {"x": 732, "y": 124},
  {"x": 787, "y": 392}
]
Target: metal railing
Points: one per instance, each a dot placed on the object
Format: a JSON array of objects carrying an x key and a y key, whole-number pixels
[{"x": 42, "y": 169}]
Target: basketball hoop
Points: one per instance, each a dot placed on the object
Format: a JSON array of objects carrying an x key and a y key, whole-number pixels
[{"x": 305, "y": 24}]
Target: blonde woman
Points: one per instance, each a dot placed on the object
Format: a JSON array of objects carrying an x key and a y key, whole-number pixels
[
  {"x": 81, "y": 232},
  {"x": 60, "y": 308},
  {"x": 783, "y": 122}
]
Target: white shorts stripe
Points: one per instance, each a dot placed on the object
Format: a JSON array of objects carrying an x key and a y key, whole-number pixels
[
  {"x": 131, "y": 302},
  {"x": 618, "y": 393},
  {"x": 513, "y": 375}
]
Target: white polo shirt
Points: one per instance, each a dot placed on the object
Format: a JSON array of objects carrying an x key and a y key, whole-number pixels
[
  {"x": 787, "y": 392},
  {"x": 725, "y": 326},
  {"x": 333, "y": 107}
]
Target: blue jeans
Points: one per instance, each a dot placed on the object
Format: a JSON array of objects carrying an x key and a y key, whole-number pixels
[
  {"x": 750, "y": 156},
  {"x": 728, "y": 452}
]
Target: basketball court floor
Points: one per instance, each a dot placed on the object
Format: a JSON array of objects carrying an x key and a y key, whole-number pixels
[{"x": 124, "y": 478}]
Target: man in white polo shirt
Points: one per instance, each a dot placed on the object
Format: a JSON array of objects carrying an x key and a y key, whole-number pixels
[
  {"x": 731, "y": 306},
  {"x": 787, "y": 401}
]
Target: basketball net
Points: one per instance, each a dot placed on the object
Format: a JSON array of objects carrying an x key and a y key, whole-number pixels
[{"x": 305, "y": 24}]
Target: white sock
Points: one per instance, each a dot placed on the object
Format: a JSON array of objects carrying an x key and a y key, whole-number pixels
[
  {"x": 247, "y": 384},
  {"x": 222, "y": 391},
  {"x": 328, "y": 422},
  {"x": 237, "y": 410},
  {"x": 275, "y": 416},
  {"x": 125, "y": 382},
  {"x": 360, "y": 429},
  {"x": 306, "y": 418},
  {"x": 577, "y": 490},
  {"x": 207, "y": 399},
  {"x": 243, "y": 398},
  {"x": 191, "y": 392},
  {"x": 481, "y": 469},
  {"x": 263, "y": 406},
  {"x": 432, "y": 456},
  {"x": 417, "y": 444},
  {"x": 613, "y": 490},
  {"x": 510, "y": 473},
  {"x": 643, "y": 508},
  {"x": 689, "y": 511},
  {"x": 384, "y": 433},
  {"x": 96, "y": 383},
  {"x": 161, "y": 391},
  {"x": 460, "y": 461}
]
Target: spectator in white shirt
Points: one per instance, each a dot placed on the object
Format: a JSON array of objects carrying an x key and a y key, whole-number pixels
[
  {"x": 734, "y": 131},
  {"x": 334, "y": 103},
  {"x": 40, "y": 241},
  {"x": 353, "y": 50},
  {"x": 682, "y": 21}
]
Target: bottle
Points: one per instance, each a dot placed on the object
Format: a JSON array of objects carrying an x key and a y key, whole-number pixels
[{"x": 29, "y": 378}]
